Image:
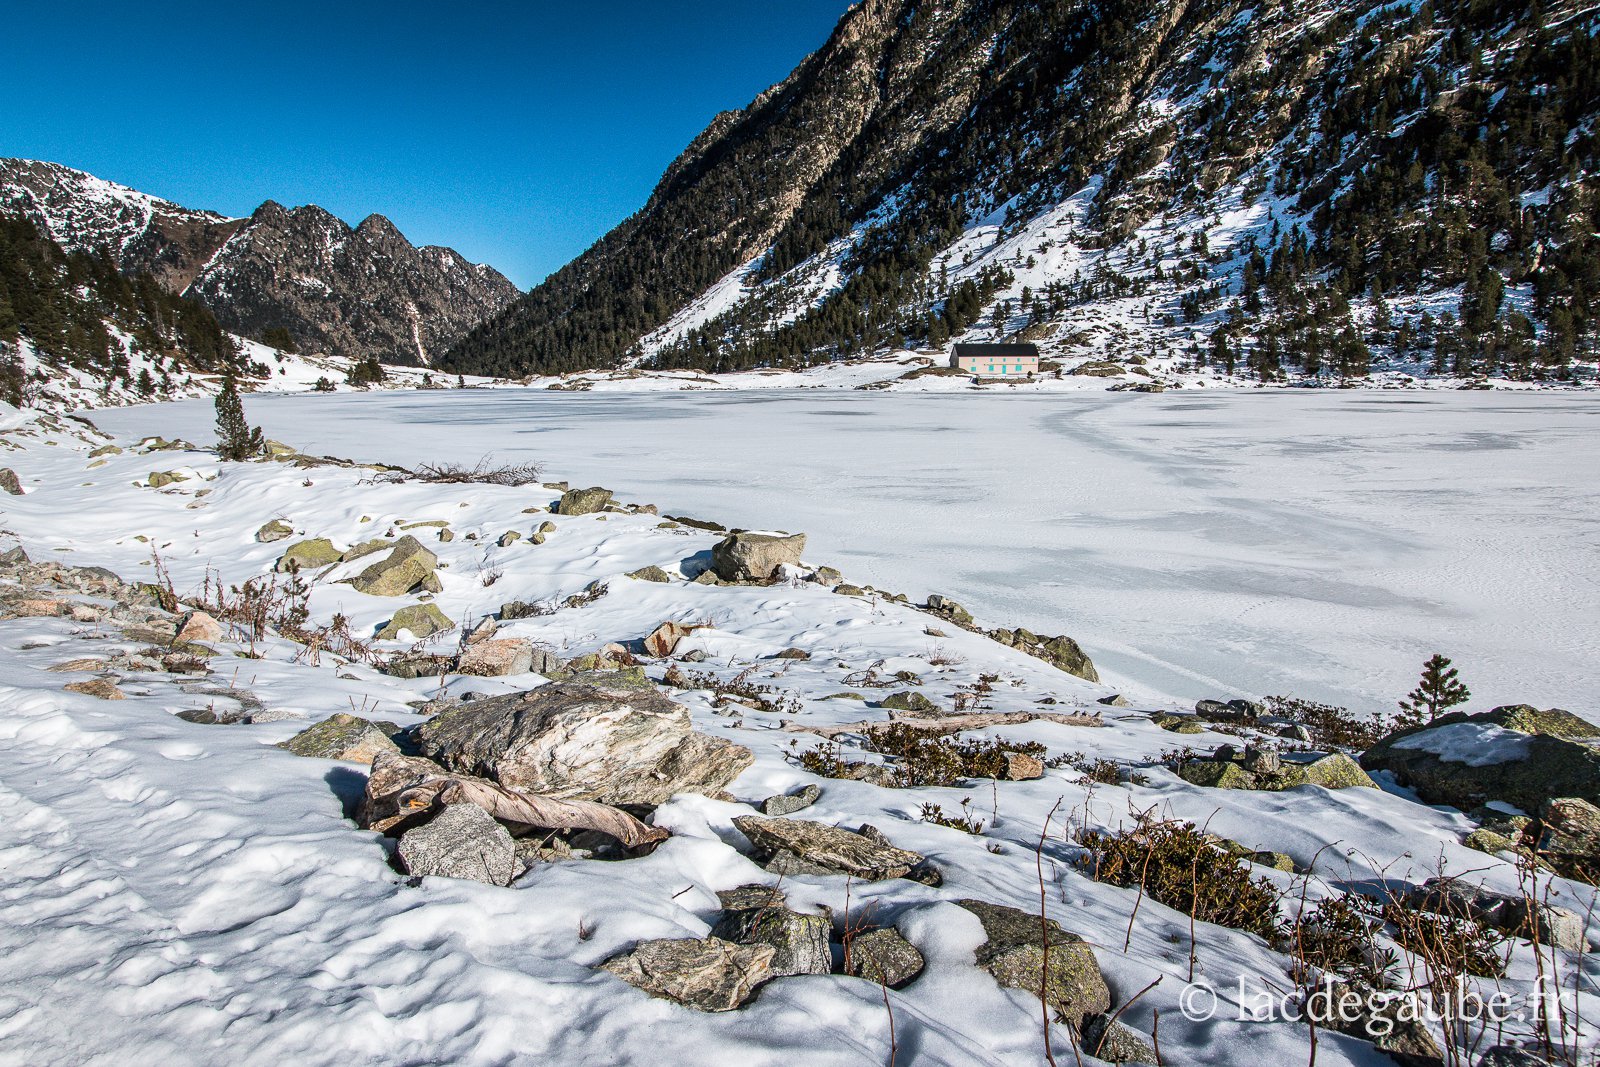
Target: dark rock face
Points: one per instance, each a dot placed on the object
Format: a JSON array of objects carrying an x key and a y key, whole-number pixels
[
  {"x": 1465, "y": 760},
  {"x": 1067, "y": 978},
  {"x": 363, "y": 293}
]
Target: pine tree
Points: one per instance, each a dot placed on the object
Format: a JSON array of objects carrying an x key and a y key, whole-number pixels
[
  {"x": 1439, "y": 690},
  {"x": 236, "y": 438}
]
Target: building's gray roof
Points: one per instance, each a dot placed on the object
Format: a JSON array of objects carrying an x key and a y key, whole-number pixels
[{"x": 994, "y": 351}]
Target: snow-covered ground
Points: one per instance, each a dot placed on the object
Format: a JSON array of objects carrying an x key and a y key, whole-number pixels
[
  {"x": 1317, "y": 543},
  {"x": 186, "y": 893}
]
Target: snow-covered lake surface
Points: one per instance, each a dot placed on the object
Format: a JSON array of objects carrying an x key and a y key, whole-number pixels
[{"x": 1315, "y": 543}]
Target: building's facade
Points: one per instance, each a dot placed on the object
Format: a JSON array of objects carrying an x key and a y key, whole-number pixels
[{"x": 999, "y": 361}]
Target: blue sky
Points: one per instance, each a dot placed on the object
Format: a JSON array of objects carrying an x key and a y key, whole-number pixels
[{"x": 516, "y": 133}]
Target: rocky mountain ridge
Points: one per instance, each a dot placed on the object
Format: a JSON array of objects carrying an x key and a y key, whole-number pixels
[
  {"x": 1283, "y": 191},
  {"x": 363, "y": 293}
]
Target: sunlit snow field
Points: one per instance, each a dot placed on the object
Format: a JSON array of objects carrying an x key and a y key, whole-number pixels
[{"x": 1317, "y": 543}]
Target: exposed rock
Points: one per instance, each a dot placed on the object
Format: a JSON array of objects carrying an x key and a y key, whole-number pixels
[
  {"x": 583, "y": 501},
  {"x": 705, "y": 973},
  {"x": 792, "y": 653},
  {"x": 746, "y": 557},
  {"x": 9, "y": 481},
  {"x": 461, "y": 841},
  {"x": 1488, "y": 841},
  {"x": 199, "y": 626},
  {"x": 883, "y": 956},
  {"x": 1346, "y": 1010},
  {"x": 664, "y": 638},
  {"x": 615, "y": 743},
  {"x": 1488, "y": 761},
  {"x": 1115, "y": 700},
  {"x": 1014, "y": 953},
  {"x": 651, "y": 573},
  {"x": 1553, "y": 722},
  {"x": 419, "y": 620},
  {"x": 827, "y": 849},
  {"x": 1065, "y": 653},
  {"x": 1107, "y": 1039},
  {"x": 344, "y": 737},
  {"x": 407, "y": 565},
  {"x": 789, "y": 803},
  {"x": 496, "y": 658},
  {"x": 849, "y": 590},
  {"x": 1021, "y": 767},
  {"x": 276, "y": 530},
  {"x": 1508, "y": 913},
  {"x": 308, "y": 555},
  {"x": 1511, "y": 1056},
  {"x": 162, "y": 479},
  {"x": 1242, "y": 712},
  {"x": 906, "y": 700},
  {"x": 1178, "y": 724},
  {"x": 510, "y": 537},
  {"x": 943, "y": 605},
  {"x": 103, "y": 688},
  {"x": 1225, "y": 771},
  {"x": 759, "y": 915}
]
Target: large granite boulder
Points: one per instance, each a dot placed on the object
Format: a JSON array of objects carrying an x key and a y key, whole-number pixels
[
  {"x": 1257, "y": 769},
  {"x": 495, "y": 658},
  {"x": 418, "y": 620},
  {"x": 308, "y": 556},
  {"x": 583, "y": 501},
  {"x": 796, "y": 846},
  {"x": 461, "y": 841},
  {"x": 408, "y": 565},
  {"x": 1067, "y": 977},
  {"x": 1514, "y": 754},
  {"x": 754, "y": 557},
  {"x": 612, "y": 743},
  {"x": 708, "y": 973}
]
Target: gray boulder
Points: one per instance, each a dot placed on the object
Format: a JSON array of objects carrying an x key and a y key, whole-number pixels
[
  {"x": 883, "y": 956},
  {"x": 789, "y": 803},
  {"x": 276, "y": 530},
  {"x": 344, "y": 737},
  {"x": 1067, "y": 977},
  {"x": 708, "y": 974},
  {"x": 419, "y": 620},
  {"x": 462, "y": 841},
  {"x": 906, "y": 700},
  {"x": 408, "y": 565},
  {"x": 583, "y": 501},
  {"x": 823, "y": 849},
  {"x": 9, "y": 482},
  {"x": 1505, "y": 754},
  {"x": 754, "y": 557},
  {"x": 618, "y": 744},
  {"x": 651, "y": 573},
  {"x": 759, "y": 915}
]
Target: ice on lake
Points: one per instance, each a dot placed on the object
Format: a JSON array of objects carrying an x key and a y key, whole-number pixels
[{"x": 1317, "y": 543}]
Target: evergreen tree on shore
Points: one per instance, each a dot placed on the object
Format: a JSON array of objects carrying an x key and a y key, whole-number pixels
[
  {"x": 236, "y": 438},
  {"x": 1439, "y": 690}
]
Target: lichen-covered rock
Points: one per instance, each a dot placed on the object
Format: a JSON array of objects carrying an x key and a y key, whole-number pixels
[
  {"x": 314, "y": 554},
  {"x": 461, "y": 841},
  {"x": 408, "y": 565},
  {"x": 1570, "y": 830},
  {"x": 943, "y": 605},
  {"x": 708, "y": 974},
  {"x": 1258, "y": 769},
  {"x": 509, "y": 538},
  {"x": 1069, "y": 980},
  {"x": 612, "y": 743},
  {"x": 760, "y": 915},
  {"x": 419, "y": 620},
  {"x": 789, "y": 803},
  {"x": 344, "y": 737},
  {"x": 1107, "y": 1039},
  {"x": 883, "y": 956},
  {"x": 162, "y": 479},
  {"x": 826, "y": 849},
  {"x": 491, "y": 658},
  {"x": 1179, "y": 724},
  {"x": 583, "y": 501},
  {"x": 906, "y": 700},
  {"x": 1465, "y": 760},
  {"x": 276, "y": 530},
  {"x": 1552, "y": 722},
  {"x": 1216, "y": 774},
  {"x": 755, "y": 557},
  {"x": 651, "y": 573}
]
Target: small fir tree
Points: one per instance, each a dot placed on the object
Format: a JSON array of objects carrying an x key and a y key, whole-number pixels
[
  {"x": 1439, "y": 690},
  {"x": 236, "y": 438}
]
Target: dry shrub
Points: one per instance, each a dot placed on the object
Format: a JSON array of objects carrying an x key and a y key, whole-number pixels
[
  {"x": 1330, "y": 726},
  {"x": 927, "y": 757},
  {"x": 1176, "y": 865},
  {"x": 484, "y": 472}
]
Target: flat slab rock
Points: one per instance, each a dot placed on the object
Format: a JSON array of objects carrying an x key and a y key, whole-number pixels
[
  {"x": 570, "y": 740},
  {"x": 708, "y": 974},
  {"x": 344, "y": 737},
  {"x": 824, "y": 849}
]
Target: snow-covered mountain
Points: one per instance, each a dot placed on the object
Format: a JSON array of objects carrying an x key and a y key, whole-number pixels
[
  {"x": 360, "y": 293},
  {"x": 1283, "y": 189}
]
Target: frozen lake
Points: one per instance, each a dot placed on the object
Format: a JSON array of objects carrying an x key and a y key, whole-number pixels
[{"x": 1315, "y": 543}]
